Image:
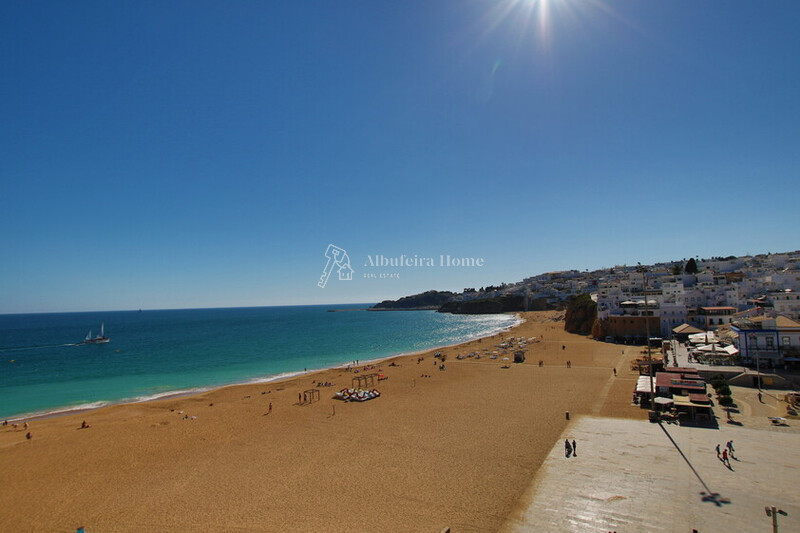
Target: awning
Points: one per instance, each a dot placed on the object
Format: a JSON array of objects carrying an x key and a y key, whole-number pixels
[
  {"x": 663, "y": 401},
  {"x": 643, "y": 384},
  {"x": 683, "y": 401},
  {"x": 716, "y": 348},
  {"x": 731, "y": 349},
  {"x": 702, "y": 338}
]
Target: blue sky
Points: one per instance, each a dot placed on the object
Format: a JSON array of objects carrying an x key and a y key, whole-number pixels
[{"x": 200, "y": 154}]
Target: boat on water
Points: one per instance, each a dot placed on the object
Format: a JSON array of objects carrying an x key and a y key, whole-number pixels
[{"x": 100, "y": 339}]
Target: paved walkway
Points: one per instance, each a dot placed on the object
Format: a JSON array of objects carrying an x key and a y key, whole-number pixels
[{"x": 634, "y": 476}]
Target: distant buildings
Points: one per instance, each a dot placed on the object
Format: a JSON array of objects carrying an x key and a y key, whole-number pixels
[
  {"x": 713, "y": 297},
  {"x": 723, "y": 293}
]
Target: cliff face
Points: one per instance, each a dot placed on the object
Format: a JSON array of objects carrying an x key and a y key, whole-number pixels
[
  {"x": 581, "y": 314},
  {"x": 425, "y": 300}
]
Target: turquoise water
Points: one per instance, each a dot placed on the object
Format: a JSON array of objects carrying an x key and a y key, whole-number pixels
[{"x": 153, "y": 353}]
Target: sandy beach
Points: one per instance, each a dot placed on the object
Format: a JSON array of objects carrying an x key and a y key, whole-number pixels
[{"x": 455, "y": 449}]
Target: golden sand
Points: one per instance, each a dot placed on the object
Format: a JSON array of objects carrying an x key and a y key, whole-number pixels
[{"x": 454, "y": 449}]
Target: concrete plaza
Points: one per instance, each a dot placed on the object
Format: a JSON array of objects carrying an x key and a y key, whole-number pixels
[{"x": 635, "y": 476}]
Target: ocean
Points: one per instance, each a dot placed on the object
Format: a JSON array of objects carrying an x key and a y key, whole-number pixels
[{"x": 44, "y": 368}]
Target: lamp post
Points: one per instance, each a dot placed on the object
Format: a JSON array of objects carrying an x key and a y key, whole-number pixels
[
  {"x": 643, "y": 270},
  {"x": 758, "y": 370},
  {"x": 773, "y": 512}
]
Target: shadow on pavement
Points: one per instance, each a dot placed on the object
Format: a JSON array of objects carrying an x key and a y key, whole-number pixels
[{"x": 708, "y": 495}]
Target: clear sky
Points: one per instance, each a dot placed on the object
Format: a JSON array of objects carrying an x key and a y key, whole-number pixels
[{"x": 199, "y": 154}]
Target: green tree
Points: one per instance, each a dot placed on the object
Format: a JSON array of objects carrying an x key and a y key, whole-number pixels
[
  {"x": 691, "y": 266},
  {"x": 676, "y": 269}
]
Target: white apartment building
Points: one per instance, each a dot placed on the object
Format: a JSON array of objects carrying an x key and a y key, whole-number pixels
[{"x": 786, "y": 303}]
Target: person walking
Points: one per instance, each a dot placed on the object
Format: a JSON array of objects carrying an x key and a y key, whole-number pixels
[
  {"x": 730, "y": 449},
  {"x": 574, "y": 448},
  {"x": 615, "y": 371},
  {"x": 567, "y": 448},
  {"x": 725, "y": 458},
  {"x": 717, "y": 451}
]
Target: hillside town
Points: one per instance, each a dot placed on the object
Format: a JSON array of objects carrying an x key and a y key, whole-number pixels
[{"x": 751, "y": 303}]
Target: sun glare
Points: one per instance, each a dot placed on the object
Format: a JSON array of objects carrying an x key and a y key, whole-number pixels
[{"x": 539, "y": 19}]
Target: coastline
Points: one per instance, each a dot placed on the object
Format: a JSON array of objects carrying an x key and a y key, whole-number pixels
[
  {"x": 272, "y": 378},
  {"x": 440, "y": 448}
]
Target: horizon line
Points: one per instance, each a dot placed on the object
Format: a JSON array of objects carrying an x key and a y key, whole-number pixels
[{"x": 182, "y": 308}]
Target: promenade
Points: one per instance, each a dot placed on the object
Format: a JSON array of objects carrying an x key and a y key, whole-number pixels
[{"x": 635, "y": 476}]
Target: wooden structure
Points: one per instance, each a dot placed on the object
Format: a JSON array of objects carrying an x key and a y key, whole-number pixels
[
  {"x": 365, "y": 381},
  {"x": 310, "y": 396}
]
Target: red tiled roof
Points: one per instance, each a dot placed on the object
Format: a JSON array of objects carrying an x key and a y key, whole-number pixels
[{"x": 671, "y": 381}]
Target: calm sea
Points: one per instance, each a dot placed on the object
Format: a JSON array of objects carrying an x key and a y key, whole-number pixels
[{"x": 154, "y": 353}]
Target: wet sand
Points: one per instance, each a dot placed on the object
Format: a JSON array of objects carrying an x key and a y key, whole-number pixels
[{"x": 455, "y": 449}]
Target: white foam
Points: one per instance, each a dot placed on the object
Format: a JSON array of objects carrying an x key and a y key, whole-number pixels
[{"x": 59, "y": 411}]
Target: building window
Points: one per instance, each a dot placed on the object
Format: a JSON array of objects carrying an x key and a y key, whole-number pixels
[
  {"x": 770, "y": 343},
  {"x": 785, "y": 341}
]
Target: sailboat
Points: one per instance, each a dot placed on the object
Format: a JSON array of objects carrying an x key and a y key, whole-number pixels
[{"x": 100, "y": 339}]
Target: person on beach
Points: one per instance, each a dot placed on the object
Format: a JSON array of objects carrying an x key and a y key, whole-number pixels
[
  {"x": 574, "y": 448},
  {"x": 725, "y": 460},
  {"x": 270, "y": 408},
  {"x": 759, "y": 397},
  {"x": 28, "y": 435},
  {"x": 567, "y": 448},
  {"x": 717, "y": 451},
  {"x": 615, "y": 372},
  {"x": 299, "y": 398}
]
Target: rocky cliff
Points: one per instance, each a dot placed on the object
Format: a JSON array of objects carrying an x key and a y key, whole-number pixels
[
  {"x": 581, "y": 314},
  {"x": 425, "y": 300}
]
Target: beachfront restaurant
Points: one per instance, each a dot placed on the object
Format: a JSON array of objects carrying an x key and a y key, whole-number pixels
[
  {"x": 687, "y": 391},
  {"x": 669, "y": 383},
  {"x": 696, "y": 406}
]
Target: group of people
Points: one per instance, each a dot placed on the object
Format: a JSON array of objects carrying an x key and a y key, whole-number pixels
[
  {"x": 570, "y": 450},
  {"x": 727, "y": 453},
  {"x": 28, "y": 435}
]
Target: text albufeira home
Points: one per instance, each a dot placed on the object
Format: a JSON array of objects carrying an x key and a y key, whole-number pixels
[{"x": 415, "y": 260}]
